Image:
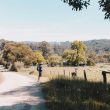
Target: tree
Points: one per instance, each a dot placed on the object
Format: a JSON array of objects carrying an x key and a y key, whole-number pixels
[
  {"x": 14, "y": 52},
  {"x": 80, "y": 49},
  {"x": 45, "y": 48},
  {"x": 79, "y": 46},
  {"x": 69, "y": 56},
  {"x": 77, "y": 55},
  {"x": 78, "y": 5},
  {"x": 81, "y": 59},
  {"x": 39, "y": 57},
  {"x": 105, "y": 5},
  {"x": 54, "y": 60}
]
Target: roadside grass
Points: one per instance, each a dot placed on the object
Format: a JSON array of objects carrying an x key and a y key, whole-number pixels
[
  {"x": 94, "y": 73},
  {"x": 76, "y": 94}
]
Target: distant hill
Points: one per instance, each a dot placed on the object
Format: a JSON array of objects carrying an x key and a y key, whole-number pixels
[{"x": 99, "y": 46}]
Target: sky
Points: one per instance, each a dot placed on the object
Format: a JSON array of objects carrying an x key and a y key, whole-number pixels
[{"x": 51, "y": 20}]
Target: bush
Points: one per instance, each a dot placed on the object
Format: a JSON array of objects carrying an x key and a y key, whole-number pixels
[
  {"x": 90, "y": 62},
  {"x": 39, "y": 57},
  {"x": 54, "y": 60},
  {"x": 19, "y": 65},
  {"x": 13, "y": 68},
  {"x": 2, "y": 62},
  {"x": 18, "y": 52}
]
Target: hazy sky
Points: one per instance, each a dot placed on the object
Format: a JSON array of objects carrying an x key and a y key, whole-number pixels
[{"x": 50, "y": 20}]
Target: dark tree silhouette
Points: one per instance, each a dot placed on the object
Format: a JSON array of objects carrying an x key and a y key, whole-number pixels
[
  {"x": 105, "y": 5},
  {"x": 78, "y": 5}
]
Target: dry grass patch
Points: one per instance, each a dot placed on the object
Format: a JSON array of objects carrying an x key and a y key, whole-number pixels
[{"x": 93, "y": 73}]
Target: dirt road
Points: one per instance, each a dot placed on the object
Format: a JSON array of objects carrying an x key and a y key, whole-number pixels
[{"x": 19, "y": 92}]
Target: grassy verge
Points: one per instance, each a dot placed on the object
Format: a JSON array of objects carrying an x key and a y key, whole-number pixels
[{"x": 67, "y": 94}]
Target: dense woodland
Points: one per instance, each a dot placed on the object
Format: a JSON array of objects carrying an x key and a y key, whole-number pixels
[{"x": 98, "y": 46}]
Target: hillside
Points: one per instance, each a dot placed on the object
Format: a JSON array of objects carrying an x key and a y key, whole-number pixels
[{"x": 99, "y": 46}]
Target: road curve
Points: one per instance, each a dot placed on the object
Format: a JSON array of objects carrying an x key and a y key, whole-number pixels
[{"x": 18, "y": 92}]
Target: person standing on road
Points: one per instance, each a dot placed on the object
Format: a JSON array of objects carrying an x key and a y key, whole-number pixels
[{"x": 39, "y": 69}]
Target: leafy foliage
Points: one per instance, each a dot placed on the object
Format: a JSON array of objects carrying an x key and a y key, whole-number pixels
[
  {"x": 80, "y": 49},
  {"x": 105, "y": 5},
  {"x": 14, "y": 52},
  {"x": 54, "y": 60},
  {"x": 45, "y": 48},
  {"x": 90, "y": 62},
  {"x": 39, "y": 57},
  {"x": 69, "y": 56},
  {"x": 97, "y": 51},
  {"x": 77, "y": 55},
  {"x": 77, "y": 4},
  {"x": 79, "y": 46}
]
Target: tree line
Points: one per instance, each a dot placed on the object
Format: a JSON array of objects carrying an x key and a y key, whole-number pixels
[{"x": 14, "y": 54}]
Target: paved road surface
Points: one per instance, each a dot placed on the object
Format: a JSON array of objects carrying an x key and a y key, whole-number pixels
[{"x": 19, "y": 92}]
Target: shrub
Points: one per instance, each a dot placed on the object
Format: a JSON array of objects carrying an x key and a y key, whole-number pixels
[
  {"x": 90, "y": 62},
  {"x": 39, "y": 57},
  {"x": 14, "y": 52},
  {"x": 54, "y": 60},
  {"x": 13, "y": 68},
  {"x": 19, "y": 65}
]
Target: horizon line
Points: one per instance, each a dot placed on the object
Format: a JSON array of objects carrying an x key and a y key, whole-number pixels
[{"x": 53, "y": 41}]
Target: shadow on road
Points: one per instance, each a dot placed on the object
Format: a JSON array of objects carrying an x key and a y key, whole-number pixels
[{"x": 24, "y": 98}]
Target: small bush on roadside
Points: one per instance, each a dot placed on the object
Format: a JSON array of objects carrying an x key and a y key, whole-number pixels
[
  {"x": 2, "y": 62},
  {"x": 19, "y": 65},
  {"x": 13, "y": 68}
]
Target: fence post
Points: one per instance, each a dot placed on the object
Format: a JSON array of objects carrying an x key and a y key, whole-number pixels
[
  {"x": 69, "y": 74},
  {"x": 58, "y": 75},
  {"x": 85, "y": 76},
  {"x": 64, "y": 72},
  {"x": 104, "y": 77}
]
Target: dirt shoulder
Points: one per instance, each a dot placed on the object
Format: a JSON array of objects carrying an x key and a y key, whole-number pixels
[
  {"x": 19, "y": 92},
  {"x": 1, "y": 78}
]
